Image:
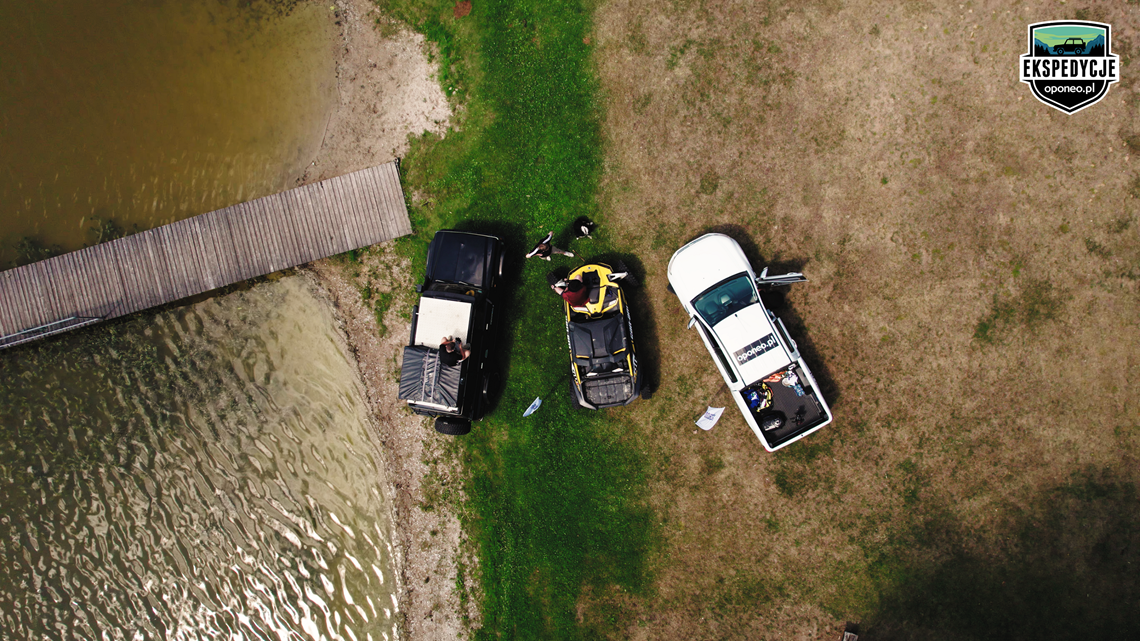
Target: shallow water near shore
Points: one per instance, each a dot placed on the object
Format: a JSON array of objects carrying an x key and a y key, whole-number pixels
[
  {"x": 144, "y": 113},
  {"x": 202, "y": 472}
]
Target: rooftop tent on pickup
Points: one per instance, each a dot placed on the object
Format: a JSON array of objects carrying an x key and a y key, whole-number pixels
[{"x": 426, "y": 380}]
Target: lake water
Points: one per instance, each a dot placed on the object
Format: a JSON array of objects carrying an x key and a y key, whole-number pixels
[
  {"x": 149, "y": 111},
  {"x": 206, "y": 472}
]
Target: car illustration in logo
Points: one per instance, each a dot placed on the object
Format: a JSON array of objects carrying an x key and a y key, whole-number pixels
[{"x": 1070, "y": 45}]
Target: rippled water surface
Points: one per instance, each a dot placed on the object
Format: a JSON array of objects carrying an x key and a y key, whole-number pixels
[
  {"x": 148, "y": 111},
  {"x": 205, "y": 472}
]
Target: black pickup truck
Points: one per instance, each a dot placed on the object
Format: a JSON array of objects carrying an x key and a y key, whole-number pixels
[{"x": 457, "y": 299}]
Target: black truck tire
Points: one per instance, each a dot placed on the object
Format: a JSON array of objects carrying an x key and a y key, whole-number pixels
[{"x": 452, "y": 426}]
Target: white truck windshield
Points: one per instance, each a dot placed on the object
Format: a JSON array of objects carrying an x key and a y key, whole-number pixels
[{"x": 726, "y": 299}]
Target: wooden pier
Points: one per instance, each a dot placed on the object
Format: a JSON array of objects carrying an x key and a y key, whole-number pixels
[{"x": 202, "y": 253}]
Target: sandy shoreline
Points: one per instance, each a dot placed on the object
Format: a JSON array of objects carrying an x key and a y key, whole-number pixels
[{"x": 387, "y": 91}]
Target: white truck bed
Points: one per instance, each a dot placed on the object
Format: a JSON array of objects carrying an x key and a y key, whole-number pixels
[{"x": 439, "y": 318}]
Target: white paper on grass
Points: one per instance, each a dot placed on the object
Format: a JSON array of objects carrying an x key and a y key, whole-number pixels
[
  {"x": 533, "y": 406},
  {"x": 709, "y": 418}
]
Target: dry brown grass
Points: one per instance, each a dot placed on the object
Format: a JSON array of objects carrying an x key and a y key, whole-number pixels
[{"x": 972, "y": 313}]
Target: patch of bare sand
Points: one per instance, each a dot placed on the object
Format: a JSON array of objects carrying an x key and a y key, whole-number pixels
[
  {"x": 887, "y": 150},
  {"x": 387, "y": 91}
]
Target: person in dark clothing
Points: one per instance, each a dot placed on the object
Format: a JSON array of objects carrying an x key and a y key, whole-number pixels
[
  {"x": 452, "y": 352},
  {"x": 544, "y": 248}
]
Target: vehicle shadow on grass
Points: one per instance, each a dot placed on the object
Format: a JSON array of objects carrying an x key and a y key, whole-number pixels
[
  {"x": 515, "y": 246},
  {"x": 776, "y": 299},
  {"x": 1065, "y": 569},
  {"x": 641, "y": 315}
]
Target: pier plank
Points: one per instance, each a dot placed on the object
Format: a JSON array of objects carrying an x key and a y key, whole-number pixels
[
  {"x": 168, "y": 259},
  {"x": 332, "y": 201},
  {"x": 70, "y": 285},
  {"x": 14, "y": 317},
  {"x": 53, "y": 306},
  {"x": 242, "y": 262},
  {"x": 300, "y": 246},
  {"x": 362, "y": 223},
  {"x": 356, "y": 230},
  {"x": 214, "y": 251},
  {"x": 75, "y": 265},
  {"x": 108, "y": 277},
  {"x": 199, "y": 277},
  {"x": 302, "y": 225},
  {"x": 396, "y": 198},
  {"x": 37, "y": 297},
  {"x": 113, "y": 260},
  {"x": 260, "y": 226},
  {"x": 218, "y": 236},
  {"x": 258, "y": 238},
  {"x": 272, "y": 235},
  {"x": 379, "y": 188},
  {"x": 9, "y": 320},
  {"x": 390, "y": 206},
  {"x": 338, "y": 215},
  {"x": 59, "y": 288},
  {"x": 354, "y": 211},
  {"x": 96, "y": 279},
  {"x": 244, "y": 231},
  {"x": 376, "y": 219},
  {"x": 24, "y": 297},
  {"x": 379, "y": 182},
  {"x": 247, "y": 230},
  {"x": 15, "y": 298},
  {"x": 99, "y": 281},
  {"x": 365, "y": 224},
  {"x": 322, "y": 211},
  {"x": 193, "y": 278},
  {"x": 251, "y": 226},
  {"x": 301, "y": 251},
  {"x": 105, "y": 276},
  {"x": 133, "y": 249},
  {"x": 161, "y": 269},
  {"x": 273, "y": 227},
  {"x": 156, "y": 287},
  {"x": 314, "y": 212},
  {"x": 288, "y": 235},
  {"x": 374, "y": 185},
  {"x": 206, "y": 257}
]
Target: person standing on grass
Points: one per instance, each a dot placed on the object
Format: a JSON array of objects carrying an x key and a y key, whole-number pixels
[{"x": 544, "y": 248}]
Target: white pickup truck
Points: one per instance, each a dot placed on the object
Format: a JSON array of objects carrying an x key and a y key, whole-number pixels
[{"x": 759, "y": 361}]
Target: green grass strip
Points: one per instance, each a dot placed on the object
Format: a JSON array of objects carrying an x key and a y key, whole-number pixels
[{"x": 555, "y": 501}]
